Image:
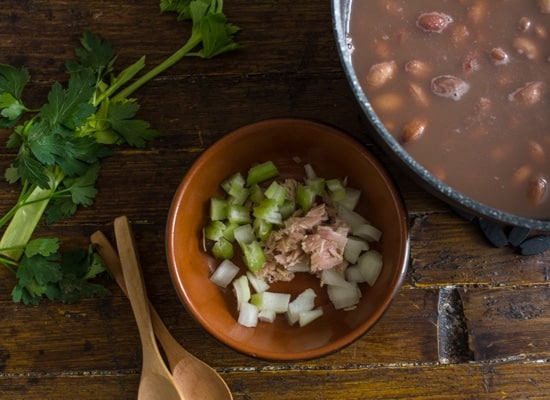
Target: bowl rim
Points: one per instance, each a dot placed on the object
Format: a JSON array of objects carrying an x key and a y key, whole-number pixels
[
  {"x": 345, "y": 340},
  {"x": 340, "y": 10}
]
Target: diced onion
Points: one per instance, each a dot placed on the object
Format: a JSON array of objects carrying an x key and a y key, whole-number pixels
[
  {"x": 305, "y": 301},
  {"x": 267, "y": 316},
  {"x": 343, "y": 297},
  {"x": 353, "y": 249},
  {"x": 351, "y": 198},
  {"x": 333, "y": 277},
  {"x": 241, "y": 290},
  {"x": 370, "y": 265},
  {"x": 307, "y": 317},
  {"x": 258, "y": 284},
  {"x": 224, "y": 273},
  {"x": 367, "y": 232},
  {"x": 353, "y": 274},
  {"x": 248, "y": 315},
  {"x": 350, "y": 217},
  {"x": 309, "y": 171},
  {"x": 277, "y": 302}
]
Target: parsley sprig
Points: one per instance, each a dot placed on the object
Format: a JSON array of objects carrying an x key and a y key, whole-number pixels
[{"x": 60, "y": 145}]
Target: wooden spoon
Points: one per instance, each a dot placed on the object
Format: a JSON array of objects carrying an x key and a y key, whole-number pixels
[
  {"x": 156, "y": 380},
  {"x": 195, "y": 379}
]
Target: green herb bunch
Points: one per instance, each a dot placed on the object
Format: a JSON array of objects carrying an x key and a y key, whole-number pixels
[{"x": 60, "y": 145}]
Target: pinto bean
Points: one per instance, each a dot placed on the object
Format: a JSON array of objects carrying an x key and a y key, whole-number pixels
[
  {"x": 521, "y": 175},
  {"x": 526, "y": 47},
  {"x": 459, "y": 34},
  {"x": 524, "y": 24},
  {"x": 433, "y": 22},
  {"x": 413, "y": 130},
  {"x": 388, "y": 102},
  {"x": 536, "y": 189},
  {"x": 449, "y": 86},
  {"x": 537, "y": 152},
  {"x": 419, "y": 95},
  {"x": 499, "y": 56},
  {"x": 381, "y": 73},
  {"x": 418, "y": 68},
  {"x": 477, "y": 12},
  {"x": 528, "y": 95},
  {"x": 471, "y": 62},
  {"x": 544, "y": 6}
]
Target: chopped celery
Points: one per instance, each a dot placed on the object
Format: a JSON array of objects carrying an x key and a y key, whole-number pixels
[
  {"x": 256, "y": 194},
  {"x": 239, "y": 197},
  {"x": 238, "y": 214},
  {"x": 261, "y": 172},
  {"x": 223, "y": 249},
  {"x": 337, "y": 189},
  {"x": 287, "y": 208},
  {"x": 254, "y": 256},
  {"x": 214, "y": 230},
  {"x": 334, "y": 185},
  {"x": 233, "y": 184},
  {"x": 229, "y": 232},
  {"x": 244, "y": 234},
  {"x": 276, "y": 192},
  {"x": 317, "y": 184},
  {"x": 218, "y": 209},
  {"x": 262, "y": 229},
  {"x": 305, "y": 197},
  {"x": 268, "y": 210}
]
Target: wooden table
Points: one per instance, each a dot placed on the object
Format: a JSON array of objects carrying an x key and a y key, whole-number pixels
[{"x": 470, "y": 322}]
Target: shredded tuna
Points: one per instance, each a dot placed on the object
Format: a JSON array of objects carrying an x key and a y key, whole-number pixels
[{"x": 317, "y": 238}]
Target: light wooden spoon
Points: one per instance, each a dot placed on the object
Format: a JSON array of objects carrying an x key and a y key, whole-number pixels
[
  {"x": 195, "y": 379},
  {"x": 156, "y": 380}
]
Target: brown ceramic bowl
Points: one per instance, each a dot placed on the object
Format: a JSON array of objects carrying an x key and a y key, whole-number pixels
[{"x": 332, "y": 154}]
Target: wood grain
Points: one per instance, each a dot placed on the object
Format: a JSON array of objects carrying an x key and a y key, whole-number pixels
[{"x": 470, "y": 321}]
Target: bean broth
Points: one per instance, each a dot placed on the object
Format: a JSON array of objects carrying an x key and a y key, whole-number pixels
[{"x": 463, "y": 85}]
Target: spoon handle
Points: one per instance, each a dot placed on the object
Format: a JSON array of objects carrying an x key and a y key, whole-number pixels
[
  {"x": 135, "y": 286},
  {"x": 110, "y": 256}
]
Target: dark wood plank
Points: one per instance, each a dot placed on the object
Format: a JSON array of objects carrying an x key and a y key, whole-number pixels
[{"x": 506, "y": 323}]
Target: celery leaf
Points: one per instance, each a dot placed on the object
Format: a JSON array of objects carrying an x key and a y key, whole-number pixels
[{"x": 135, "y": 132}]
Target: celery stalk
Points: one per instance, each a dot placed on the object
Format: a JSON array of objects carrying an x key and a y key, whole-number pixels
[{"x": 28, "y": 213}]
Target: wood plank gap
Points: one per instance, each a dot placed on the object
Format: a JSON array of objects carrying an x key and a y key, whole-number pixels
[{"x": 452, "y": 329}]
